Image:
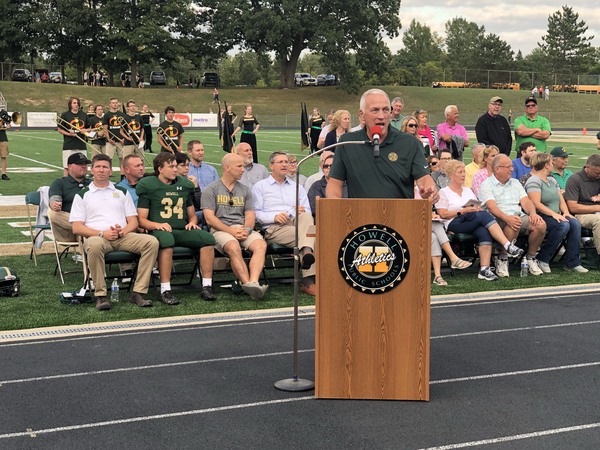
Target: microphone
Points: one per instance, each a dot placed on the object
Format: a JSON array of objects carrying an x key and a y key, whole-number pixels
[{"x": 376, "y": 131}]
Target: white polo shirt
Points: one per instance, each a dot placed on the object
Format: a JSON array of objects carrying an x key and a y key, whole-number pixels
[{"x": 101, "y": 208}]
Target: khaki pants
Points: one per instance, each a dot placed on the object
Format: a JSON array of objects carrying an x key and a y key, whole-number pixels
[
  {"x": 141, "y": 244},
  {"x": 98, "y": 150},
  {"x": 285, "y": 235},
  {"x": 110, "y": 150},
  {"x": 61, "y": 227},
  {"x": 591, "y": 221}
]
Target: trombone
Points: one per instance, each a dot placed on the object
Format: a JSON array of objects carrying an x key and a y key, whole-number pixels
[
  {"x": 66, "y": 126},
  {"x": 167, "y": 139},
  {"x": 140, "y": 143}
]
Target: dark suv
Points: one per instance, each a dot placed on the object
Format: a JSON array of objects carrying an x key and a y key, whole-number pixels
[
  {"x": 158, "y": 77},
  {"x": 21, "y": 75},
  {"x": 211, "y": 79}
]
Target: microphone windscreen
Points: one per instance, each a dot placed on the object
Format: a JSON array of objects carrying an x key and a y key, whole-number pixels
[{"x": 376, "y": 129}]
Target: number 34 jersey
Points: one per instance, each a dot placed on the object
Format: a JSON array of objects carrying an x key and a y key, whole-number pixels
[{"x": 166, "y": 202}]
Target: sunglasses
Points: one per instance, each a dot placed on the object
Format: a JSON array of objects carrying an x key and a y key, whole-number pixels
[
  {"x": 327, "y": 166},
  {"x": 532, "y": 105},
  {"x": 230, "y": 200},
  {"x": 412, "y": 125},
  {"x": 433, "y": 163}
]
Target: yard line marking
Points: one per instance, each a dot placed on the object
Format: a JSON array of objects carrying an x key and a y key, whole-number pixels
[
  {"x": 30, "y": 432},
  {"x": 510, "y": 330},
  {"x": 516, "y": 437},
  {"x": 36, "y": 161},
  {"x": 516, "y": 372}
]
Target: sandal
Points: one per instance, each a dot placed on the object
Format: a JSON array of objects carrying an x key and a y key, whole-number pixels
[
  {"x": 460, "y": 264},
  {"x": 440, "y": 281}
]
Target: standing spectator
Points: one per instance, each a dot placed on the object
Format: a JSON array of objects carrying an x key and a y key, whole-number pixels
[
  {"x": 544, "y": 192},
  {"x": 522, "y": 165},
  {"x": 510, "y": 116},
  {"x": 560, "y": 161},
  {"x": 452, "y": 135},
  {"x": 140, "y": 81},
  {"x": 506, "y": 199},
  {"x": 473, "y": 166},
  {"x": 534, "y": 92},
  {"x": 582, "y": 194},
  {"x": 228, "y": 206},
  {"x": 493, "y": 129},
  {"x": 340, "y": 124},
  {"x": 106, "y": 218},
  {"x": 85, "y": 78},
  {"x": 532, "y": 127},
  {"x": 426, "y": 134},
  {"x": 546, "y": 94},
  {"x": 171, "y": 138},
  {"x": 315, "y": 123},
  {"x": 4, "y": 147},
  {"x": 38, "y": 79},
  {"x": 249, "y": 126},
  {"x": 326, "y": 129},
  {"x": 147, "y": 117},
  {"x": 397, "y": 117},
  {"x": 541, "y": 92},
  {"x": 215, "y": 95},
  {"x": 253, "y": 172},
  {"x": 72, "y": 124}
]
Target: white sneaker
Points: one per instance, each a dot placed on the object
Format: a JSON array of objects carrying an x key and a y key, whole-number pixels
[
  {"x": 534, "y": 268},
  {"x": 502, "y": 267},
  {"x": 544, "y": 267},
  {"x": 579, "y": 269}
]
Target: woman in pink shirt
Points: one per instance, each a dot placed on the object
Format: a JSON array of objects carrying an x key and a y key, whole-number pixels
[
  {"x": 489, "y": 152},
  {"x": 426, "y": 134}
]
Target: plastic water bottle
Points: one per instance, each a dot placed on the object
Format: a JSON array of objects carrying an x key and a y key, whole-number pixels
[
  {"x": 114, "y": 291},
  {"x": 524, "y": 267}
]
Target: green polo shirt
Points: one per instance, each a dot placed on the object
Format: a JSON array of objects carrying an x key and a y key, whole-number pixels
[
  {"x": 539, "y": 122},
  {"x": 64, "y": 189},
  {"x": 562, "y": 179},
  {"x": 392, "y": 175},
  {"x": 397, "y": 123}
]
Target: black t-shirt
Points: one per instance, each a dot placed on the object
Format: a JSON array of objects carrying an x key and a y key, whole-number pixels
[
  {"x": 133, "y": 127},
  {"x": 173, "y": 131},
  {"x": 111, "y": 119},
  {"x": 97, "y": 125},
  {"x": 71, "y": 122}
]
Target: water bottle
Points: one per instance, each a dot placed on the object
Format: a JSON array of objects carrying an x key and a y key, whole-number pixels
[
  {"x": 114, "y": 291},
  {"x": 524, "y": 267}
]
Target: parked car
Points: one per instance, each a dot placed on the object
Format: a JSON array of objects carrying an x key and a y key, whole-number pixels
[
  {"x": 210, "y": 79},
  {"x": 326, "y": 80},
  {"x": 158, "y": 77},
  {"x": 304, "y": 79},
  {"x": 21, "y": 75},
  {"x": 57, "y": 77}
]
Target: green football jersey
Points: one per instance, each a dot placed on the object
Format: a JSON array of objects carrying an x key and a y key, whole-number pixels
[{"x": 166, "y": 202}]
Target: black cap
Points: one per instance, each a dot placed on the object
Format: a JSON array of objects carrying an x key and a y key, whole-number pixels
[
  {"x": 560, "y": 152},
  {"x": 78, "y": 158},
  {"x": 531, "y": 99}
]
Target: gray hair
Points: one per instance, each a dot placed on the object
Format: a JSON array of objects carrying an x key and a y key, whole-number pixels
[
  {"x": 498, "y": 160},
  {"x": 477, "y": 147},
  {"x": 449, "y": 109},
  {"x": 397, "y": 100},
  {"x": 363, "y": 98}
]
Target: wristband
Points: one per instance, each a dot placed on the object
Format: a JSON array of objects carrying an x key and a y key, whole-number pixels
[{"x": 249, "y": 230}]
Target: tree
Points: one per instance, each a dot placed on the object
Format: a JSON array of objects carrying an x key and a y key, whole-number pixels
[
  {"x": 421, "y": 45},
  {"x": 462, "y": 43},
  {"x": 335, "y": 29},
  {"x": 565, "y": 45}
]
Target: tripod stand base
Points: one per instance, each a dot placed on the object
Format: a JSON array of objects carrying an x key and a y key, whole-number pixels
[{"x": 295, "y": 385}]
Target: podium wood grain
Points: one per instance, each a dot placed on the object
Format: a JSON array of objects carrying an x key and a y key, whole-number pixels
[{"x": 372, "y": 346}]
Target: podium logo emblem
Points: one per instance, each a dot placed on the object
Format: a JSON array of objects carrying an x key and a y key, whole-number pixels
[{"x": 373, "y": 259}]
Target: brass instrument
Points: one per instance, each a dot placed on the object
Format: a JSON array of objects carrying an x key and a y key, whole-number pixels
[
  {"x": 7, "y": 118},
  {"x": 76, "y": 132},
  {"x": 140, "y": 143},
  {"x": 163, "y": 134}
]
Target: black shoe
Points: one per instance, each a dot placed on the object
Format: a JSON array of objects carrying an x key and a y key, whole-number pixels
[
  {"x": 139, "y": 300},
  {"x": 307, "y": 260},
  {"x": 168, "y": 298},
  {"x": 102, "y": 303},
  {"x": 5, "y": 177},
  {"x": 208, "y": 293}
]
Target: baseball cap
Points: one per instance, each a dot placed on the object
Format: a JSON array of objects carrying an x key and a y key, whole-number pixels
[
  {"x": 531, "y": 99},
  {"x": 559, "y": 152},
  {"x": 78, "y": 158},
  {"x": 496, "y": 99}
]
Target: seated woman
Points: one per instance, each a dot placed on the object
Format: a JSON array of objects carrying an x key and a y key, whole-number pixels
[
  {"x": 471, "y": 219},
  {"x": 488, "y": 155},
  {"x": 544, "y": 192},
  {"x": 317, "y": 189},
  {"x": 439, "y": 242}
]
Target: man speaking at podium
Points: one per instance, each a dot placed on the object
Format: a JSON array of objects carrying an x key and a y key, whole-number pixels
[{"x": 387, "y": 165}]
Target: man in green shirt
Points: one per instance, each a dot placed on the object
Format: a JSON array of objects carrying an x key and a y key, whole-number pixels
[
  {"x": 532, "y": 127},
  {"x": 397, "y": 117},
  {"x": 560, "y": 161}
]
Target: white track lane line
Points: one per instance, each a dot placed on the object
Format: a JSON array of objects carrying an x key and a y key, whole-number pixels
[{"x": 517, "y": 437}]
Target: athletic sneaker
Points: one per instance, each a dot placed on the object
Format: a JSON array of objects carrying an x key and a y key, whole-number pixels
[
  {"x": 487, "y": 275},
  {"x": 578, "y": 269},
  {"x": 502, "y": 267},
  {"x": 534, "y": 268},
  {"x": 514, "y": 251},
  {"x": 544, "y": 267}
]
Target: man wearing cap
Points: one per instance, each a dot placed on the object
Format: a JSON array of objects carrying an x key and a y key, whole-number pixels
[
  {"x": 61, "y": 194},
  {"x": 531, "y": 127},
  {"x": 560, "y": 161},
  {"x": 493, "y": 128}
]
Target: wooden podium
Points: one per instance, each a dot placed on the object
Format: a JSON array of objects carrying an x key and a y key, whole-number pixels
[{"x": 372, "y": 344}]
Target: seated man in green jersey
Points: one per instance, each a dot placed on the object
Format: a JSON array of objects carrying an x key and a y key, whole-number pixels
[{"x": 166, "y": 209}]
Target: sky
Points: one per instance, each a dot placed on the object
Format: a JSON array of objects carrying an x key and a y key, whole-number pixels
[{"x": 520, "y": 24}]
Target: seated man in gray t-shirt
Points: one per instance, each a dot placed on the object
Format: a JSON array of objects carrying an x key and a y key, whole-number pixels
[{"x": 228, "y": 208}]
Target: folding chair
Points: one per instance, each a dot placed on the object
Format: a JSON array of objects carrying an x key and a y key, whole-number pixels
[
  {"x": 68, "y": 245},
  {"x": 32, "y": 199}
]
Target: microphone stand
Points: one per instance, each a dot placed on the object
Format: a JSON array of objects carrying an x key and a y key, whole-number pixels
[{"x": 296, "y": 384}]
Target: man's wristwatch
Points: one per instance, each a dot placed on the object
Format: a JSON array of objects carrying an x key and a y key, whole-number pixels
[
  {"x": 249, "y": 229},
  {"x": 101, "y": 234}
]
